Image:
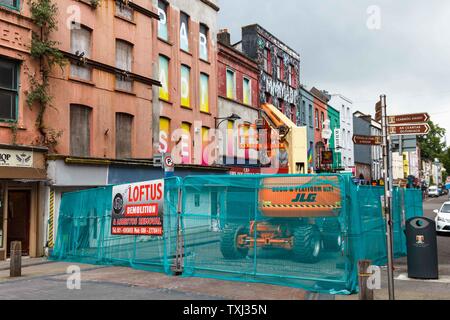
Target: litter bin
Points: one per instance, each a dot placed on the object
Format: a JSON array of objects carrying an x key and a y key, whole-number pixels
[{"x": 421, "y": 243}]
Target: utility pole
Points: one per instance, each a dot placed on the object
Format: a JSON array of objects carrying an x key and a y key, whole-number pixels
[{"x": 387, "y": 197}]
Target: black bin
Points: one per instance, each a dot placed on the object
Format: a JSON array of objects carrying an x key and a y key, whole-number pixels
[{"x": 421, "y": 242}]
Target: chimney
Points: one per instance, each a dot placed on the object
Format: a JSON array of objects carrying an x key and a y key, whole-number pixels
[{"x": 224, "y": 37}]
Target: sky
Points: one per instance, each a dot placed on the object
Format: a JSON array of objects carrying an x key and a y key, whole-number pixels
[{"x": 362, "y": 49}]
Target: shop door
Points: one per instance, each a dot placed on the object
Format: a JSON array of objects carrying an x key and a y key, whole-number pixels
[{"x": 19, "y": 219}]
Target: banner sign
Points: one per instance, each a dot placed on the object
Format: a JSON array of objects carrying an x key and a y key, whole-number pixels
[
  {"x": 16, "y": 158},
  {"x": 138, "y": 209}
]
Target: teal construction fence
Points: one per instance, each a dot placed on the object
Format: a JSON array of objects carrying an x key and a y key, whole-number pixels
[{"x": 306, "y": 231}]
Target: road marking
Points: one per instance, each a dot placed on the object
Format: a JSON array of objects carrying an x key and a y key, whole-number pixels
[{"x": 442, "y": 279}]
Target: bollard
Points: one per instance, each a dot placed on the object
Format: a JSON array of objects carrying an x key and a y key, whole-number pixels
[
  {"x": 364, "y": 292},
  {"x": 15, "y": 265}
]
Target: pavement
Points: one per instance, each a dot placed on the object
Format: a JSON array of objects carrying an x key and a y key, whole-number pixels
[
  {"x": 413, "y": 289},
  {"x": 49, "y": 281}
]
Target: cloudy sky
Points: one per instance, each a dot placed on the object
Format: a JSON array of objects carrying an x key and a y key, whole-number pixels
[{"x": 407, "y": 57}]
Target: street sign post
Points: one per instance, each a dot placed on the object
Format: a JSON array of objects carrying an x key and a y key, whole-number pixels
[
  {"x": 168, "y": 165},
  {"x": 387, "y": 176},
  {"x": 410, "y": 129},
  {"x": 408, "y": 118},
  {"x": 367, "y": 140}
]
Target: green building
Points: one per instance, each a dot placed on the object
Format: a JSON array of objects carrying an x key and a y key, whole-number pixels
[{"x": 335, "y": 123}]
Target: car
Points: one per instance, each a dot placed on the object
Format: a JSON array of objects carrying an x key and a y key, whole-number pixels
[
  {"x": 433, "y": 191},
  {"x": 443, "y": 218}
]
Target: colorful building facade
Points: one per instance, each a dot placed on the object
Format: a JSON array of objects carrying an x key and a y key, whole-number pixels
[{"x": 186, "y": 51}]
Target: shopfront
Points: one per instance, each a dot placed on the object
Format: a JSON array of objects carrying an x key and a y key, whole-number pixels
[{"x": 22, "y": 179}]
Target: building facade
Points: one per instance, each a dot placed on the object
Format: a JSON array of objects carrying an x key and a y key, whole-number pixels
[
  {"x": 345, "y": 106},
  {"x": 279, "y": 68},
  {"x": 186, "y": 51},
  {"x": 305, "y": 118},
  {"x": 335, "y": 144},
  {"x": 238, "y": 96},
  {"x": 363, "y": 153},
  {"x": 22, "y": 155},
  {"x": 376, "y": 151},
  {"x": 321, "y": 141}
]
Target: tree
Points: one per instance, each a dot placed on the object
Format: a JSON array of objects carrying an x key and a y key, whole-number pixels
[{"x": 431, "y": 145}]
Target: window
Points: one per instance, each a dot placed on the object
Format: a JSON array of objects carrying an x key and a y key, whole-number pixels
[
  {"x": 9, "y": 92},
  {"x": 316, "y": 117},
  {"x": 14, "y": 4},
  {"x": 186, "y": 143},
  {"x": 164, "y": 135},
  {"x": 80, "y": 131},
  {"x": 231, "y": 84},
  {"x": 124, "y": 11},
  {"x": 163, "y": 32},
  {"x": 205, "y": 143},
  {"x": 344, "y": 136},
  {"x": 303, "y": 113},
  {"x": 247, "y": 91},
  {"x": 204, "y": 92},
  {"x": 124, "y": 61},
  {"x": 267, "y": 61},
  {"x": 197, "y": 200},
  {"x": 322, "y": 119},
  {"x": 293, "y": 115},
  {"x": 80, "y": 44},
  {"x": 124, "y": 125},
  {"x": 184, "y": 31},
  {"x": 203, "y": 42},
  {"x": 185, "y": 88},
  {"x": 164, "y": 78},
  {"x": 279, "y": 67},
  {"x": 290, "y": 75}
]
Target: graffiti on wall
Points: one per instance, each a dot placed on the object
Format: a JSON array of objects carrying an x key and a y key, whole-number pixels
[{"x": 279, "y": 89}]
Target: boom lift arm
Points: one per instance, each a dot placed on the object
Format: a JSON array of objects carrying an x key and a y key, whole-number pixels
[{"x": 293, "y": 137}]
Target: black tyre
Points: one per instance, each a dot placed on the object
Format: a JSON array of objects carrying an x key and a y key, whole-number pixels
[
  {"x": 331, "y": 235},
  {"x": 228, "y": 242},
  {"x": 307, "y": 244}
]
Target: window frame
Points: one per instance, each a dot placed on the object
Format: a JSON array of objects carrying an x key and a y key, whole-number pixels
[
  {"x": 207, "y": 77},
  {"x": 207, "y": 31},
  {"x": 17, "y": 66},
  {"x": 91, "y": 42},
  {"x": 131, "y": 118},
  {"x": 188, "y": 28},
  {"x": 131, "y": 45},
  {"x": 167, "y": 12},
  {"x": 229, "y": 70},
  {"x": 89, "y": 123},
  {"x": 189, "y": 69},
  {"x": 16, "y": 7},
  {"x": 250, "y": 95},
  {"x": 123, "y": 5}
]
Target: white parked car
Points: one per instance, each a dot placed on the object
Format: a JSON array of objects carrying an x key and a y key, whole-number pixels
[
  {"x": 433, "y": 191},
  {"x": 443, "y": 218}
]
